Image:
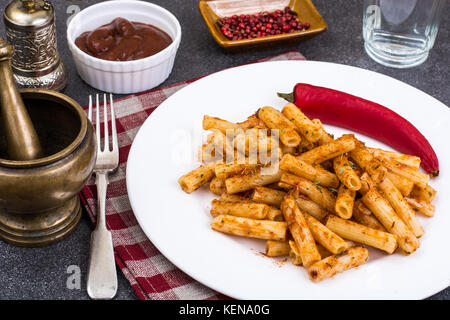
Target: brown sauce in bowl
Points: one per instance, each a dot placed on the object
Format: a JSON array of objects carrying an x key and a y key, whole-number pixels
[{"x": 123, "y": 40}]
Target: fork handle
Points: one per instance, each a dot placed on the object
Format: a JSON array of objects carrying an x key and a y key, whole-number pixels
[{"x": 102, "y": 274}]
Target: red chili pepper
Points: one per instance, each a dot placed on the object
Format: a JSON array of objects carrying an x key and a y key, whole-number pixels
[{"x": 372, "y": 119}]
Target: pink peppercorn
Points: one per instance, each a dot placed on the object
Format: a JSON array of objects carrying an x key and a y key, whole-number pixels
[{"x": 261, "y": 24}]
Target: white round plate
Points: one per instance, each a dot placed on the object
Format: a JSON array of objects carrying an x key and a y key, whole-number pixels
[{"x": 178, "y": 224}]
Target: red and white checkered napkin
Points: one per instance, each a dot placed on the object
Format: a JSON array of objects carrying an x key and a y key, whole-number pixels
[{"x": 151, "y": 275}]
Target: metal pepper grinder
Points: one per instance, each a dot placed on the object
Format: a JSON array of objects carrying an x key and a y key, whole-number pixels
[{"x": 30, "y": 28}]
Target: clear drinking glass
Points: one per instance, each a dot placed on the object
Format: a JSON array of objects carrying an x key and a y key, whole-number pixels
[{"x": 400, "y": 33}]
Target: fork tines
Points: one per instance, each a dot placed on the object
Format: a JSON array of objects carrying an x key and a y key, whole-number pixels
[{"x": 114, "y": 145}]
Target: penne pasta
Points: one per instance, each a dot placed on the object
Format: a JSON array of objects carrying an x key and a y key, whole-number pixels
[
  {"x": 223, "y": 146},
  {"x": 251, "y": 228},
  {"x": 366, "y": 220},
  {"x": 274, "y": 214},
  {"x": 274, "y": 119},
  {"x": 310, "y": 207},
  {"x": 239, "y": 209},
  {"x": 196, "y": 178},
  {"x": 251, "y": 122},
  {"x": 207, "y": 153},
  {"x": 217, "y": 186},
  {"x": 246, "y": 182},
  {"x": 213, "y": 123},
  {"x": 361, "y": 207},
  {"x": 386, "y": 156},
  {"x": 305, "y": 145},
  {"x": 255, "y": 141},
  {"x": 401, "y": 207},
  {"x": 389, "y": 219},
  {"x": 322, "y": 251},
  {"x": 362, "y": 234},
  {"x": 233, "y": 198},
  {"x": 366, "y": 183},
  {"x": 403, "y": 185},
  {"x": 421, "y": 206},
  {"x": 303, "y": 124},
  {"x": 326, "y": 237},
  {"x": 274, "y": 186},
  {"x": 300, "y": 232},
  {"x": 419, "y": 178},
  {"x": 423, "y": 193},
  {"x": 294, "y": 254},
  {"x": 365, "y": 159},
  {"x": 277, "y": 248},
  {"x": 269, "y": 196},
  {"x": 320, "y": 195},
  {"x": 344, "y": 202},
  {"x": 226, "y": 170},
  {"x": 283, "y": 178},
  {"x": 314, "y": 173},
  {"x": 345, "y": 173},
  {"x": 330, "y": 266},
  {"x": 325, "y": 137},
  {"x": 328, "y": 151}
]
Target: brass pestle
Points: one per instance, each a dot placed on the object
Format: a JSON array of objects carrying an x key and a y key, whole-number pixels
[{"x": 21, "y": 137}]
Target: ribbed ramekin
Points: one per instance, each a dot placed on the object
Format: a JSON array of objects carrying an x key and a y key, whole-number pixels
[{"x": 124, "y": 76}]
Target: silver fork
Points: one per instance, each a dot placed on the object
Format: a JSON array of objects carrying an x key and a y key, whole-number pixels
[{"x": 102, "y": 274}]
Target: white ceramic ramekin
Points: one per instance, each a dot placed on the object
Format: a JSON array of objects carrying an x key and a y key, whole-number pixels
[{"x": 124, "y": 76}]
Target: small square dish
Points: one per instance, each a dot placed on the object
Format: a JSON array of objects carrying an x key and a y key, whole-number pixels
[{"x": 214, "y": 10}]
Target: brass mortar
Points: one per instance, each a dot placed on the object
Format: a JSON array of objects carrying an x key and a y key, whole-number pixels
[{"x": 39, "y": 201}]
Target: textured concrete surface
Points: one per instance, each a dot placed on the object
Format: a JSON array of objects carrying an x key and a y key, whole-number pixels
[{"x": 42, "y": 273}]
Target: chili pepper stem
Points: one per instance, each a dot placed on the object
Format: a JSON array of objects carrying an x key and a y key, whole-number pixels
[{"x": 287, "y": 96}]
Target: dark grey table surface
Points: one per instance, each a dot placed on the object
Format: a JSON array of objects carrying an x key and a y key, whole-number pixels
[{"x": 42, "y": 273}]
